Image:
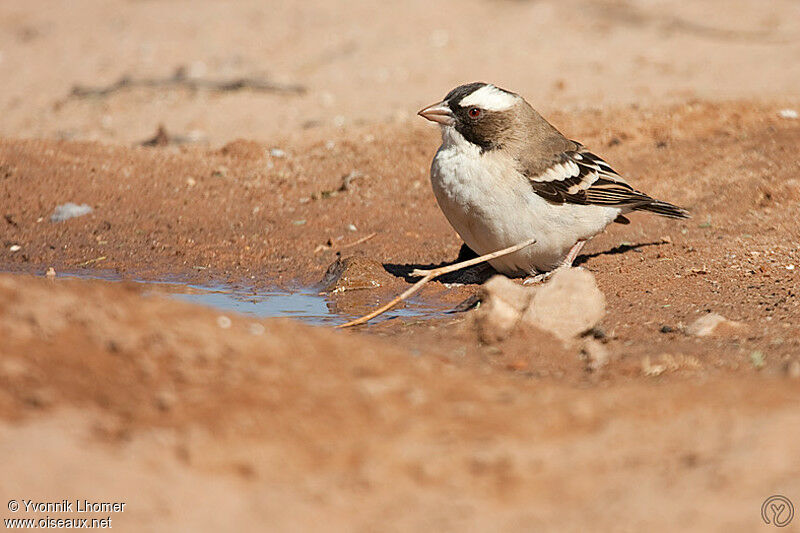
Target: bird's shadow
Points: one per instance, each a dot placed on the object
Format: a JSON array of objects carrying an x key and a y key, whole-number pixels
[
  {"x": 478, "y": 274},
  {"x": 473, "y": 275},
  {"x": 620, "y": 249}
]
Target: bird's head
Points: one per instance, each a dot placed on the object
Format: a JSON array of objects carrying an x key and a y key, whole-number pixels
[{"x": 483, "y": 114}]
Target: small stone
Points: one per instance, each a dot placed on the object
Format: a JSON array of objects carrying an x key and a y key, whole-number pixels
[
  {"x": 500, "y": 287},
  {"x": 567, "y": 305},
  {"x": 352, "y": 227},
  {"x": 256, "y": 329},
  {"x": 223, "y": 322},
  {"x": 69, "y": 210},
  {"x": 277, "y": 152},
  {"x": 788, "y": 113},
  {"x": 15, "y": 248},
  {"x": 667, "y": 329},
  {"x": 354, "y": 272},
  {"x": 714, "y": 324},
  {"x": 594, "y": 354},
  {"x": 191, "y": 182},
  {"x": 502, "y": 305}
]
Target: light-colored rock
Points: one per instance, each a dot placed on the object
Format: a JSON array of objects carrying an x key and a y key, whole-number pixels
[
  {"x": 716, "y": 325},
  {"x": 567, "y": 305},
  {"x": 502, "y": 305},
  {"x": 69, "y": 210},
  {"x": 501, "y": 288},
  {"x": 594, "y": 354}
]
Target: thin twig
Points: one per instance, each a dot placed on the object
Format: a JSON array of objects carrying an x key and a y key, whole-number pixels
[
  {"x": 91, "y": 261},
  {"x": 359, "y": 241},
  {"x": 432, "y": 274}
]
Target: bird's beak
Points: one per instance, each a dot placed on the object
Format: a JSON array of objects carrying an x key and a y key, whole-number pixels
[{"x": 438, "y": 112}]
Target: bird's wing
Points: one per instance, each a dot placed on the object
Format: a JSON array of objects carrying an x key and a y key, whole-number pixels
[{"x": 580, "y": 177}]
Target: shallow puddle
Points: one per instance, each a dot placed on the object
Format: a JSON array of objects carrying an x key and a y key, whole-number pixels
[{"x": 305, "y": 304}]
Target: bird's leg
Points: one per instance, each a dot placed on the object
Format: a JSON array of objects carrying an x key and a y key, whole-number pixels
[
  {"x": 572, "y": 254},
  {"x": 566, "y": 263}
]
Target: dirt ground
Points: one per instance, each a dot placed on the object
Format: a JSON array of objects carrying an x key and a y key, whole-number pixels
[{"x": 203, "y": 420}]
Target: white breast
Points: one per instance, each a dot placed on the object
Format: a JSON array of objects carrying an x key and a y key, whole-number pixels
[{"x": 493, "y": 206}]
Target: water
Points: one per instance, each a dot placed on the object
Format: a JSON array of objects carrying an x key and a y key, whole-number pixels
[{"x": 304, "y": 304}]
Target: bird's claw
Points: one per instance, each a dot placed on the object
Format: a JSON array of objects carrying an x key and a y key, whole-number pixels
[{"x": 538, "y": 278}]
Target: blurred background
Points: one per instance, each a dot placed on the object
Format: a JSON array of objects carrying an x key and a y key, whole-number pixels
[{"x": 337, "y": 63}]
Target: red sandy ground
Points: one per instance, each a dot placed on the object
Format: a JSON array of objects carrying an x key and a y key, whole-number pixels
[{"x": 109, "y": 394}]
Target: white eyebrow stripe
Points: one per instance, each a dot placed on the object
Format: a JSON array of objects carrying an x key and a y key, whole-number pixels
[{"x": 489, "y": 98}]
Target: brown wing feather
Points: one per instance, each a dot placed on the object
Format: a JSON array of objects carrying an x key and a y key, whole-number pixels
[{"x": 580, "y": 177}]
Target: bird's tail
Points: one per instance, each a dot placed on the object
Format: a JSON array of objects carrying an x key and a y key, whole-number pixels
[{"x": 665, "y": 209}]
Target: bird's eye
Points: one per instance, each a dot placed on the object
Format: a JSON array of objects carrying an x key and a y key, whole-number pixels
[{"x": 474, "y": 112}]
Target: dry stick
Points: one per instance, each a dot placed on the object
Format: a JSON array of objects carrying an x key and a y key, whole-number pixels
[
  {"x": 434, "y": 273},
  {"x": 359, "y": 241}
]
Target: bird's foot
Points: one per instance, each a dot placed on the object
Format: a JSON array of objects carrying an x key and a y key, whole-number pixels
[
  {"x": 567, "y": 263},
  {"x": 538, "y": 278}
]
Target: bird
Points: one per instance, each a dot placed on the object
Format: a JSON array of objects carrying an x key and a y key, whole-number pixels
[{"x": 503, "y": 175}]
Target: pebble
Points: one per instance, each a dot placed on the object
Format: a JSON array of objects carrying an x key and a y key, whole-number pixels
[
  {"x": 15, "y": 248},
  {"x": 788, "y": 113},
  {"x": 223, "y": 322},
  {"x": 277, "y": 152},
  {"x": 354, "y": 272},
  {"x": 256, "y": 329},
  {"x": 569, "y": 304},
  {"x": 595, "y": 354},
  {"x": 69, "y": 210},
  {"x": 502, "y": 305},
  {"x": 714, "y": 324}
]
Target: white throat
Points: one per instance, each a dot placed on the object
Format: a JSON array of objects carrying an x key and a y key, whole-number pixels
[{"x": 453, "y": 140}]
